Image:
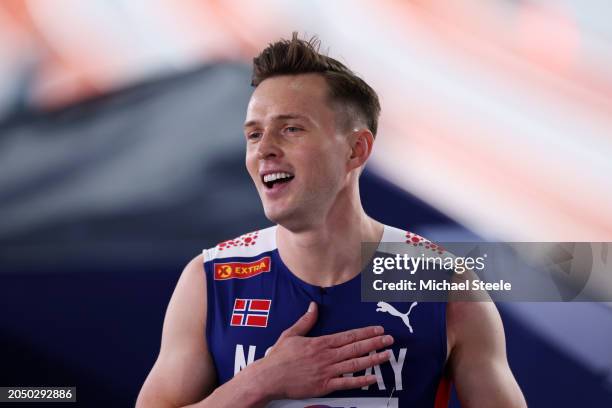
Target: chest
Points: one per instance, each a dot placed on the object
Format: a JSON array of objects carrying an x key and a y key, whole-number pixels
[{"x": 248, "y": 318}]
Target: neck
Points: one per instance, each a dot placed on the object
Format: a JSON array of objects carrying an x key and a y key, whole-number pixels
[{"x": 328, "y": 252}]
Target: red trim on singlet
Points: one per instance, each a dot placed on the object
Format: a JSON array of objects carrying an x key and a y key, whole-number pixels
[{"x": 443, "y": 393}]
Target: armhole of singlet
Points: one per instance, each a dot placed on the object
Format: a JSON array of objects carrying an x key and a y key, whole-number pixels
[
  {"x": 443, "y": 335},
  {"x": 210, "y": 295},
  {"x": 443, "y": 390}
]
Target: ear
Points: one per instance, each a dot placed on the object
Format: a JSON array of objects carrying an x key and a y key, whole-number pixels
[{"x": 361, "y": 141}]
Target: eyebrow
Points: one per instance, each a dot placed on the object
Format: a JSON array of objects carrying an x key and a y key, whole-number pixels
[{"x": 279, "y": 117}]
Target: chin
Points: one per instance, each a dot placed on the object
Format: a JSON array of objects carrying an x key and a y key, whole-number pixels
[
  {"x": 276, "y": 215},
  {"x": 282, "y": 216},
  {"x": 290, "y": 220}
]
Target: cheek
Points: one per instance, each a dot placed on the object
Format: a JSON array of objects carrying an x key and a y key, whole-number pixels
[
  {"x": 250, "y": 155},
  {"x": 251, "y": 164},
  {"x": 334, "y": 159},
  {"x": 325, "y": 171}
]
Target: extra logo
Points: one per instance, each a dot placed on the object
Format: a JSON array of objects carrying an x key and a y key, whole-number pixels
[
  {"x": 241, "y": 270},
  {"x": 251, "y": 312}
]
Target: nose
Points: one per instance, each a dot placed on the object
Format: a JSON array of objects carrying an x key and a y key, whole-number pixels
[{"x": 268, "y": 147}]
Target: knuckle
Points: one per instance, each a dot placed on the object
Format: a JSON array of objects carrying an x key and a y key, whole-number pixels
[
  {"x": 323, "y": 341},
  {"x": 291, "y": 342},
  {"x": 331, "y": 354},
  {"x": 329, "y": 372},
  {"x": 311, "y": 349},
  {"x": 354, "y": 365},
  {"x": 324, "y": 355},
  {"x": 313, "y": 343},
  {"x": 326, "y": 385}
]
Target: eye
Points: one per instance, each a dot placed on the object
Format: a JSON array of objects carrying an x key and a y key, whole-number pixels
[
  {"x": 292, "y": 129},
  {"x": 253, "y": 135}
]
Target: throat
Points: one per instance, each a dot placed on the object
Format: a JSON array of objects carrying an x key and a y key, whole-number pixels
[
  {"x": 320, "y": 264},
  {"x": 326, "y": 258}
]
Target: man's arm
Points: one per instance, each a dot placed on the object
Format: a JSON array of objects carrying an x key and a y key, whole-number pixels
[
  {"x": 477, "y": 361},
  {"x": 183, "y": 372}
]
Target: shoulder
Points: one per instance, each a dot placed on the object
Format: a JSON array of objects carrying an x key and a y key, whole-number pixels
[
  {"x": 194, "y": 270},
  {"x": 397, "y": 240},
  {"x": 476, "y": 325},
  {"x": 247, "y": 245},
  {"x": 191, "y": 287}
]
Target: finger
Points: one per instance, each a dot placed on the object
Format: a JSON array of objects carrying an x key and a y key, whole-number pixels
[
  {"x": 361, "y": 363},
  {"x": 303, "y": 324},
  {"x": 362, "y": 347},
  {"x": 351, "y": 336},
  {"x": 347, "y": 383}
]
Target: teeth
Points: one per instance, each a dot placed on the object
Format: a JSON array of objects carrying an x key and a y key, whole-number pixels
[{"x": 275, "y": 176}]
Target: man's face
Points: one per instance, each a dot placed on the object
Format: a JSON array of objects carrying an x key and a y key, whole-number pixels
[{"x": 295, "y": 154}]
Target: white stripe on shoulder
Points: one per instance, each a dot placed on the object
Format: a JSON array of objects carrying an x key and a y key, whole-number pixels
[
  {"x": 247, "y": 245},
  {"x": 414, "y": 242}
]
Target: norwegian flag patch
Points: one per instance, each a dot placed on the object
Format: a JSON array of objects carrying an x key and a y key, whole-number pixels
[{"x": 251, "y": 312}]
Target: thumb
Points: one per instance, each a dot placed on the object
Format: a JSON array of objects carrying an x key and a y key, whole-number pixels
[{"x": 303, "y": 324}]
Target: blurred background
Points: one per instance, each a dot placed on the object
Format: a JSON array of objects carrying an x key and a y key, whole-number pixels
[{"x": 121, "y": 157}]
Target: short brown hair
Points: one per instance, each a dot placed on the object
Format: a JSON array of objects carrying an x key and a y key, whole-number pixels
[{"x": 295, "y": 56}]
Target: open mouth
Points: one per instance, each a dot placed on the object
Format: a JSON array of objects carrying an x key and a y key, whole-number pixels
[{"x": 274, "y": 179}]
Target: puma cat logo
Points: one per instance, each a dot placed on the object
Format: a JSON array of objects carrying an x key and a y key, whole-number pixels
[{"x": 387, "y": 308}]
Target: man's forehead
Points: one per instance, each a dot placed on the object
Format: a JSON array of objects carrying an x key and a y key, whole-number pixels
[
  {"x": 277, "y": 117},
  {"x": 297, "y": 89},
  {"x": 300, "y": 96}
]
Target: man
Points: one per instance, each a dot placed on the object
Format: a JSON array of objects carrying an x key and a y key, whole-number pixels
[{"x": 235, "y": 333}]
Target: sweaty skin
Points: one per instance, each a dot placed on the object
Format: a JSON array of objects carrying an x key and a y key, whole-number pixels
[{"x": 292, "y": 128}]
